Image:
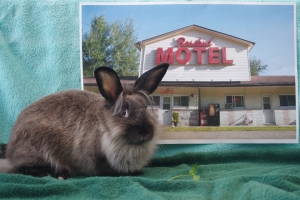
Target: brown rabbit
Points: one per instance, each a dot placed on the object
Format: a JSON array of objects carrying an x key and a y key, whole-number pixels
[{"x": 77, "y": 132}]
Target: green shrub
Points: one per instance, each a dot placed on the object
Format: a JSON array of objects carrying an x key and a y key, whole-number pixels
[{"x": 175, "y": 116}]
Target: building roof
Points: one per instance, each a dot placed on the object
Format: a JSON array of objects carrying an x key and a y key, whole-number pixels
[
  {"x": 256, "y": 81},
  {"x": 190, "y": 28},
  {"x": 91, "y": 81}
]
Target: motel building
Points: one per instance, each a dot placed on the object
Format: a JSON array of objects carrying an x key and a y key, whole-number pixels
[{"x": 209, "y": 81}]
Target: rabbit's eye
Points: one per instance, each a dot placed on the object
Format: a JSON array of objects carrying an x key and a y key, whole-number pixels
[{"x": 124, "y": 112}]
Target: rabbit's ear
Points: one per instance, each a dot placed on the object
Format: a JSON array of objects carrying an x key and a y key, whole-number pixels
[
  {"x": 150, "y": 80},
  {"x": 108, "y": 83}
]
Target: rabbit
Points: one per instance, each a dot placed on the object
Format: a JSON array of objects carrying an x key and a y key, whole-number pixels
[{"x": 80, "y": 133}]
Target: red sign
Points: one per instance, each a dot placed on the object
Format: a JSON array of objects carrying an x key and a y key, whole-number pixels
[
  {"x": 198, "y": 43},
  {"x": 167, "y": 91},
  {"x": 183, "y": 54},
  {"x": 213, "y": 55}
]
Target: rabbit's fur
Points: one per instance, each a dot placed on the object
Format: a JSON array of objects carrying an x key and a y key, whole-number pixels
[{"x": 77, "y": 132}]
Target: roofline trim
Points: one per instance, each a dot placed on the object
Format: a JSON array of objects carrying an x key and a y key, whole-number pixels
[{"x": 156, "y": 38}]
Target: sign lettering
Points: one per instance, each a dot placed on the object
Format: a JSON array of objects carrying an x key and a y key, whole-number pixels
[
  {"x": 198, "y": 43},
  {"x": 183, "y": 55},
  {"x": 164, "y": 57},
  {"x": 199, "y": 51},
  {"x": 213, "y": 55},
  {"x": 187, "y": 57}
]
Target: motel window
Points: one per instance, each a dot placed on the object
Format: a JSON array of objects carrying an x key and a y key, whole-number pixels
[
  {"x": 236, "y": 101},
  {"x": 166, "y": 103},
  {"x": 287, "y": 100},
  {"x": 181, "y": 101},
  {"x": 155, "y": 101}
]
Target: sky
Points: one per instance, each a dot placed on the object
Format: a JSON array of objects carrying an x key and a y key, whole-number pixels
[{"x": 270, "y": 26}]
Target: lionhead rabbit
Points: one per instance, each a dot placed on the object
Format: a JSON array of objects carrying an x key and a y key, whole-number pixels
[{"x": 76, "y": 132}]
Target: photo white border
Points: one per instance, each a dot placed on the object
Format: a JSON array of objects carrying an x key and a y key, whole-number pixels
[{"x": 211, "y": 141}]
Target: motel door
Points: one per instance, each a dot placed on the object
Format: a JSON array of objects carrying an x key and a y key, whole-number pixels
[
  {"x": 166, "y": 108},
  {"x": 268, "y": 114}
]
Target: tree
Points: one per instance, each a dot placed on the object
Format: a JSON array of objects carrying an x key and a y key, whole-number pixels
[
  {"x": 94, "y": 46},
  {"x": 110, "y": 45},
  {"x": 256, "y": 66}
]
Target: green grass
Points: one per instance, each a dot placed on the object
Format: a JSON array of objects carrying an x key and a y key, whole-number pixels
[{"x": 229, "y": 128}]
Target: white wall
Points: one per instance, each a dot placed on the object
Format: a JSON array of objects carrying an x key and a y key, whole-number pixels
[
  {"x": 182, "y": 91},
  {"x": 285, "y": 117},
  {"x": 241, "y": 117},
  {"x": 252, "y": 95},
  {"x": 194, "y": 72}
]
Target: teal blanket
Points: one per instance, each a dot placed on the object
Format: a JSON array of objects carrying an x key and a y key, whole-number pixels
[
  {"x": 40, "y": 54},
  {"x": 233, "y": 174}
]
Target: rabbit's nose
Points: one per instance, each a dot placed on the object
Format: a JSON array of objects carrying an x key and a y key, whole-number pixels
[{"x": 146, "y": 129}]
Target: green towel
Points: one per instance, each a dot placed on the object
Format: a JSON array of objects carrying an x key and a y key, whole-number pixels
[
  {"x": 39, "y": 54},
  {"x": 232, "y": 174}
]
